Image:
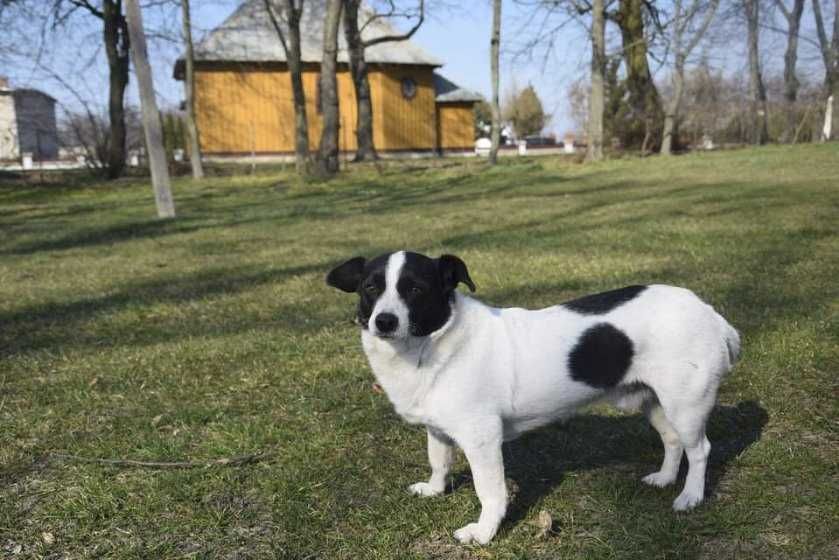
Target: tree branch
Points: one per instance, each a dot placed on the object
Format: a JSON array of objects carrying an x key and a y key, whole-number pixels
[
  {"x": 87, "y": 6},
  {"x": 781, "y": 6},
  {"x": 817, "y": 13},
  {"x": 225, "y": 462},
  {"x": 402, "y": 37},
  {"x": 703, "y": 27},
  {"x": 274, "y": 21}
]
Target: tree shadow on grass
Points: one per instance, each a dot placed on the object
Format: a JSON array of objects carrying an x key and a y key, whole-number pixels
[
  {"x": 369, "y": 198},
  {"x": 59, "y": 324}
]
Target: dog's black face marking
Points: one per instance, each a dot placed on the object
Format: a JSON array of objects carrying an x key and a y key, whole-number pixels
[
  {"x": 597, "y": 304},
  {"x": 371, "y": 287},
  {"x": 601, "y": 356},
  {"x": 427, "y": 293}
]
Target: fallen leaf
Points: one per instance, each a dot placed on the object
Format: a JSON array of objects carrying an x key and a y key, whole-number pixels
[
  {"x": 156, "y": 420},
  {"x": 544, "y": 522},
  {"x": 378, "y": 389},
  {"x": 48, "y": 537}
]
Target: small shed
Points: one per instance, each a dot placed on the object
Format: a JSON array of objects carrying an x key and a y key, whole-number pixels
[
  {"x": 244, "y": 100},
  {"x": 27, "y": 123},
  {"x": 455, "y": 115}
]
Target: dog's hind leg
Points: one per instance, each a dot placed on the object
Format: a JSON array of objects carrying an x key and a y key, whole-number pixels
[
  {"x": 688, "y": 419},
  {"x": 672, "y": 446},
  {"x": 440, "y": 456}
]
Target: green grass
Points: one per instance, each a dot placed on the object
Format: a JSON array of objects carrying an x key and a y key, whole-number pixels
[{"x": 214, "y": 335}]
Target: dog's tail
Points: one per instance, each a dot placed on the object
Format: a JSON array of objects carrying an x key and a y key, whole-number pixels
[{"x": 732, "y": 342}]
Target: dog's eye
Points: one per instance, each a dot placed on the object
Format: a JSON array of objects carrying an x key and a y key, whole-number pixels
[
  {"x": 371, "y": 289},
  {"x": 416, "y": 291}
]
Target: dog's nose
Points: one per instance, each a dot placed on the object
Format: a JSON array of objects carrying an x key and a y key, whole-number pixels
[{"x": 386, "y": 322}]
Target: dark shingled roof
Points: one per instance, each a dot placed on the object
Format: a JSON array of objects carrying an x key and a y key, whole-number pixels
[
  {"x": 248, "y": 36},
  {"x": 447, "y": 91}
]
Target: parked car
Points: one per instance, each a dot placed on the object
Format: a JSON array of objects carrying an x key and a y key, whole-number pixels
[{"x": 540, "y": 140}]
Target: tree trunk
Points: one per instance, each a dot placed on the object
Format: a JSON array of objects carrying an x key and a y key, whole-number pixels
[
  {"x": 833, "y": 82},
  {"x": 189, "y": 81},
  {"x": 791, "y": 83},
  {"x": 830, "y": 56},
  {"x": 328, "y": 153},
  {"x": 671, "y": 113},
  {"x": 682, "y": 45},
  {"x": 151, "y": 116},
  {"x": 759, "y": 128},
  {"x": 295, "y": 68},
  {"x": 366, "y": 150},
  {"x": 594, "y": 151},
  {"x": 495, "y": 45},
  {"x": 117, "y": 50},
  {"x": 291, "y": 46},
  {"x": 644, "y": 103},
  {"x": 671, "y": 116}
]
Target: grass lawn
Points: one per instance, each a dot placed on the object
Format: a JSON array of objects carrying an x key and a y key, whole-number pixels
[{"x": 214, "y": 336}]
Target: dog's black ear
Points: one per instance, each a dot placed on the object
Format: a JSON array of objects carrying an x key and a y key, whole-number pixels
[
  {"x": 347, "y": 276},
  {"x": 453, "y": 271}
]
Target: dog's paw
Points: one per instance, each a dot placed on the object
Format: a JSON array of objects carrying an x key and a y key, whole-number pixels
[
  {"x": 686, "y": 501},
  {"x": 474, "y": 533},
  {"x": 659, "y": 479},
  {"x": 424, "y": 489}
]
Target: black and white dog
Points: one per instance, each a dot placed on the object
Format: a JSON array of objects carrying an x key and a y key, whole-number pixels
[{"x": 476, "y": 376}]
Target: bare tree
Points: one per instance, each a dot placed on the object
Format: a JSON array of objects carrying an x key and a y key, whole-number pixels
[
  {"x": 189, "y": 82},
  {"x": 791, "y": 84},
  {"x": 151, "y": 116},
  {"x": 356, "y": 46},
  {"x": 830, "y": 56},
  {"x": 594, "y": 151},
  {"x": 643, "y": 100},
  {"x": 290, "y": 13},
  {"x": 117, "y": 46},
  {"x": 682, "y": 45},
  {"x": 328, "y": 150},
  {"x": 542, "y": 29},
  {"x": 757, "y": 90},
  {"x": 11, "y": 15},
  {"x": 495, "y": 45}
]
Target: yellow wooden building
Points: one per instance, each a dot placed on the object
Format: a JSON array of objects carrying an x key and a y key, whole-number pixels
[{"x": 244, "y": 100}]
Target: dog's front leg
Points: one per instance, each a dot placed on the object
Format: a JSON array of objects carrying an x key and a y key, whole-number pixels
[
  {"x": 441, "y": 456},
  {"x": 487, "y": 465}
]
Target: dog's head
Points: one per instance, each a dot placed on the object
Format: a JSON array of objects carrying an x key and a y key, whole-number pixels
[{"x": 402, "y": 294}]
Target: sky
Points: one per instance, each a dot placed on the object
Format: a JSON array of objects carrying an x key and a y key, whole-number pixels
[{"x": 457, "y": 34}]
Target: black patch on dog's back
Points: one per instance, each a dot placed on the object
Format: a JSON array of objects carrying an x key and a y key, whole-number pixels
[
  {"x": 601, "y": 356},
  {"x": 597, "y": 304}
]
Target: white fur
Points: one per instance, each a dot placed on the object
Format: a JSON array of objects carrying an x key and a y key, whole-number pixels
[
  {"x": 389, "y": 301},
  {"x": 491, "y": 374}
]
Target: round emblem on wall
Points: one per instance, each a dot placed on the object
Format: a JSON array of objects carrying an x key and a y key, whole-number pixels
[{"x": 409, "y": 88}]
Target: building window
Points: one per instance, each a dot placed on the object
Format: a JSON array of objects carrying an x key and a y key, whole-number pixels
[{"x": 409, "y": 88}]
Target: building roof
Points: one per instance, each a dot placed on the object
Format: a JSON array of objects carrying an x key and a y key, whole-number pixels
[
  {"x": 447, "y": 91},
  {"x": 34, "y": 92},
  {"x": 249, "y": 36}
]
